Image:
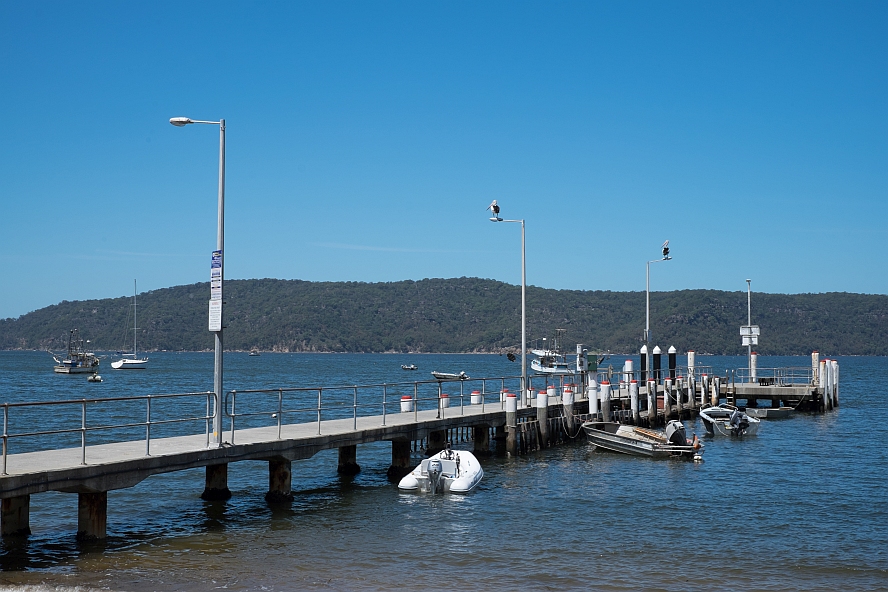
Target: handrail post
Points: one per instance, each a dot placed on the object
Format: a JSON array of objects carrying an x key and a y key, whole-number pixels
[
  {"x": 355, "y": 410},
  {"x": 462, "y": 408},
  {"x": 5, "y": 433},
  {"x": 319, "y": 411},
  {"x": 83, "y": 433},
  {"x": 415, "y": 401},
  {"x": 148, "y": 427},
  {"x": 383, "y": 403},
  {"x": 483, "y": 394},
  {"x": 280, "y": 410},
  {"x": 440, "y": 409},
  {"x": 207, "y": 419},
  {"x": 231, "y": 416}
]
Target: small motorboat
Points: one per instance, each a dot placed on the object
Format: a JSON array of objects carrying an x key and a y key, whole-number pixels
[
  {"x": 94, "y": 378},
  {"x": 727, "y": 420},
  {"x": 453, "y": 471},
  {"x": 254, "y": 352},
  {"x": 770, "y": 412},
  {"x": 673, "y": 443},
  {"x": 449, "y": 375},
  {"x": 408, "y": 366}
]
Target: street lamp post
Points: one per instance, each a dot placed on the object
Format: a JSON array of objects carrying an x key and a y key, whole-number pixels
[
  {"x": 749, "y": 324},
  {"x": 496, "y": 218},
  {"x": 647, "y": 321},
  {"x": 220, "y": 247}
]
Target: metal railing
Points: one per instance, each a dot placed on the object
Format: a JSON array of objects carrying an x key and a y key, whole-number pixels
[
  {"x": 82, "y": 405},
  {"x": 253, "y": 407},
  {"x": 615, "y": 375},
  {"x": 790, "y": 376}
]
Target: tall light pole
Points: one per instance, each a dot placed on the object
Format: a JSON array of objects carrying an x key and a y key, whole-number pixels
[
  {"x": 749, "y": 324},
  {"x": 647, "y": 321},
  {"x": 216, "y": 295},
  {"x": 495, "y": 209}
]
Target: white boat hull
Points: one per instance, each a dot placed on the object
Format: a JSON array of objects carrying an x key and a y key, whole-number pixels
[
  {"x": 461, "y": 473},
  {"x": 128, "y": 364}
]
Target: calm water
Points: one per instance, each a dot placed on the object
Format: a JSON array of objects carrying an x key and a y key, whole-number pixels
[{"x": 801, "y": 506}]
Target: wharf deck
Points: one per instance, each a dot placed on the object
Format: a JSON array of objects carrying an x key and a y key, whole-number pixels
[{"x": 124, "y": 464}]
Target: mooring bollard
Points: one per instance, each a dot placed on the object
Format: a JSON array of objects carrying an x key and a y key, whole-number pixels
[
  {"x": 652, "y": 402},
  {"x": 716, "y": 390},
  {"x": 592, "y": 395},
  {"x": 512, "y": 423},
  {"x": 605, "y": 400},
  {"x": 445, "y": 401},
  {"x": 667, "y": 398},
  {"x": 543, "y": 417},
  {"x": 835, "y": 373},
  {"x": 815, "y": 368},
  {"x": 633, "y": 400},
  {"x": 567, "y": 400},
  {"x": 704, "y": 390},
  {"x": 692, "y": 391},
  {"x": 476, "y": 397},
  {"x": 552, "y": 392},
  {"x": 822, "y": 382},
  {"x": 406, "y": 404}
]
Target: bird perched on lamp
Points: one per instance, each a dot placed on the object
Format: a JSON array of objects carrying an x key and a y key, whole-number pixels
[{"x": 494, "y": 208}]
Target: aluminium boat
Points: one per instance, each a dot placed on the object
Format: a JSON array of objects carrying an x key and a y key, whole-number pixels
[
  {"x": 638, "y": 441},
  {"x": 449, "y": 375}
]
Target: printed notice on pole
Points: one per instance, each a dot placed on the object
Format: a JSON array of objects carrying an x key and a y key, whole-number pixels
[
  {"x": 216, "y": 276},
  {"x": 215, "y": 315}
]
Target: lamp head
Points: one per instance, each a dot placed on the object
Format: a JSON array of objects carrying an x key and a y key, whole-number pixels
[{"x": 180, "y": 121}]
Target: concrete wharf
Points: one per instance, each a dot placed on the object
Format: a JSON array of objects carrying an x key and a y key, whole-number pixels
[{"x": 342, "y": 418}]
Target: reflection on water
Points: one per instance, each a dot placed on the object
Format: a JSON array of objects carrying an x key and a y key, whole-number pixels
[{"x": 801, "y": 506}]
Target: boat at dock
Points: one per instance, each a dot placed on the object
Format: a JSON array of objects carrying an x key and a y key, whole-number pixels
[
  {"x": 638, "y": 441},
  {"x": 727, "y": 420},
  {"x": 449, "y": 375},
  {"x": 408, "y": 366},
  {"x": 449, "y": 471},
  {"x": 770, "y": 412},
  {"x": 131, "y": 361},
  {"x": 77, "y": 360}
]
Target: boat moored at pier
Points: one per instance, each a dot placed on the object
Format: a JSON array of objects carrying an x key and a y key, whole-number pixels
[
  {"x": 639, "y": 441},
  {"x": 727, "y": 420},
  {"x": 449, "y": 471}
]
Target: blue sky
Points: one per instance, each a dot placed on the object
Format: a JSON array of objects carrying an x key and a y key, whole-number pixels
[{"x": 365, "y": 139}]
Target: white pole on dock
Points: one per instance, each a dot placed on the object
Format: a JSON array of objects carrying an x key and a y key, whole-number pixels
[
  {"x": 220, "y": 247},
  {"x": 495, "y": 209}
]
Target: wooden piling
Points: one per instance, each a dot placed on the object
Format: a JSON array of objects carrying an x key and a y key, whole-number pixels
[
  {"x": 216, "y": 483},
  {"x": 15, "y": 516},
  {"x": 279, "y": 481},
  {"x": 92, "y": 516},
  {"x": 348, "y": 461}
]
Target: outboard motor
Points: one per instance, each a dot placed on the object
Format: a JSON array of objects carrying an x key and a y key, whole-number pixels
[
  {"x": 435, "y": 468},
  {"x": 675, "y": 433},
  {"x": 739, "y": 423}
]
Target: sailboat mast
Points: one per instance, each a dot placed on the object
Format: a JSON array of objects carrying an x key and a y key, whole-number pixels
[{"x": 135, "y": 320}]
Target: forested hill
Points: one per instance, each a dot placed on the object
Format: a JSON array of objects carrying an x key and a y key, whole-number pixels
[{"x": 457, "y": 315}]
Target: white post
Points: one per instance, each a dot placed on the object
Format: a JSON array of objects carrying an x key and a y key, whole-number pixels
[
  {"x": 815, "y": 368},
  {"x": 592, "y": 393},
  {"x": 753, "y": 367},
  {"x": 633, "y": 398},
  {"x": 605, "y": 400}
]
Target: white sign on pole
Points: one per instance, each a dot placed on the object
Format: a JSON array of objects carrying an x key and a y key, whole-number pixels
[
  {"x": 750, "y": 334},
  {"x": 216, "y": 276},
  {"x": 215, "y": 315}
]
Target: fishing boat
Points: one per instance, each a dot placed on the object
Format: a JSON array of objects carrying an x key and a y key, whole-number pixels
[
  {"x": 131, "y": 361},
  {"x": 638, "y": 441},
  {"x": 551, "y": 361},
  {"x": 727, "y": 420},
  {"x": 453, "y": 471},
  {"x": 78, "y": 360},
  {"x": 449, "y": 375},
  {"x": 408, "y": 366},
  {"x": 254, "y": 352}
]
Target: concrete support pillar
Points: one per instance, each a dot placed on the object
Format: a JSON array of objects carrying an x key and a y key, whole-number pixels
[
  {"x": 15, "y": 515},
  {"x": 280, "y": 479},
  {"x": 348, "y": 461},
  {"x": 92, "y": 516},
  {"x": 400, "y": 460},
  {"x": 437, "y": 441},
  {"x": 217, "y": 483},
  {"x": 481, "y": 436}
]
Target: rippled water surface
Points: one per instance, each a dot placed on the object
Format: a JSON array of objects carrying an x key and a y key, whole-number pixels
[{"x": 803, "y": 505}]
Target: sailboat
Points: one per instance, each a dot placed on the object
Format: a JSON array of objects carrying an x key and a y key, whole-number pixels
[{"x": 131, "y": 361}]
